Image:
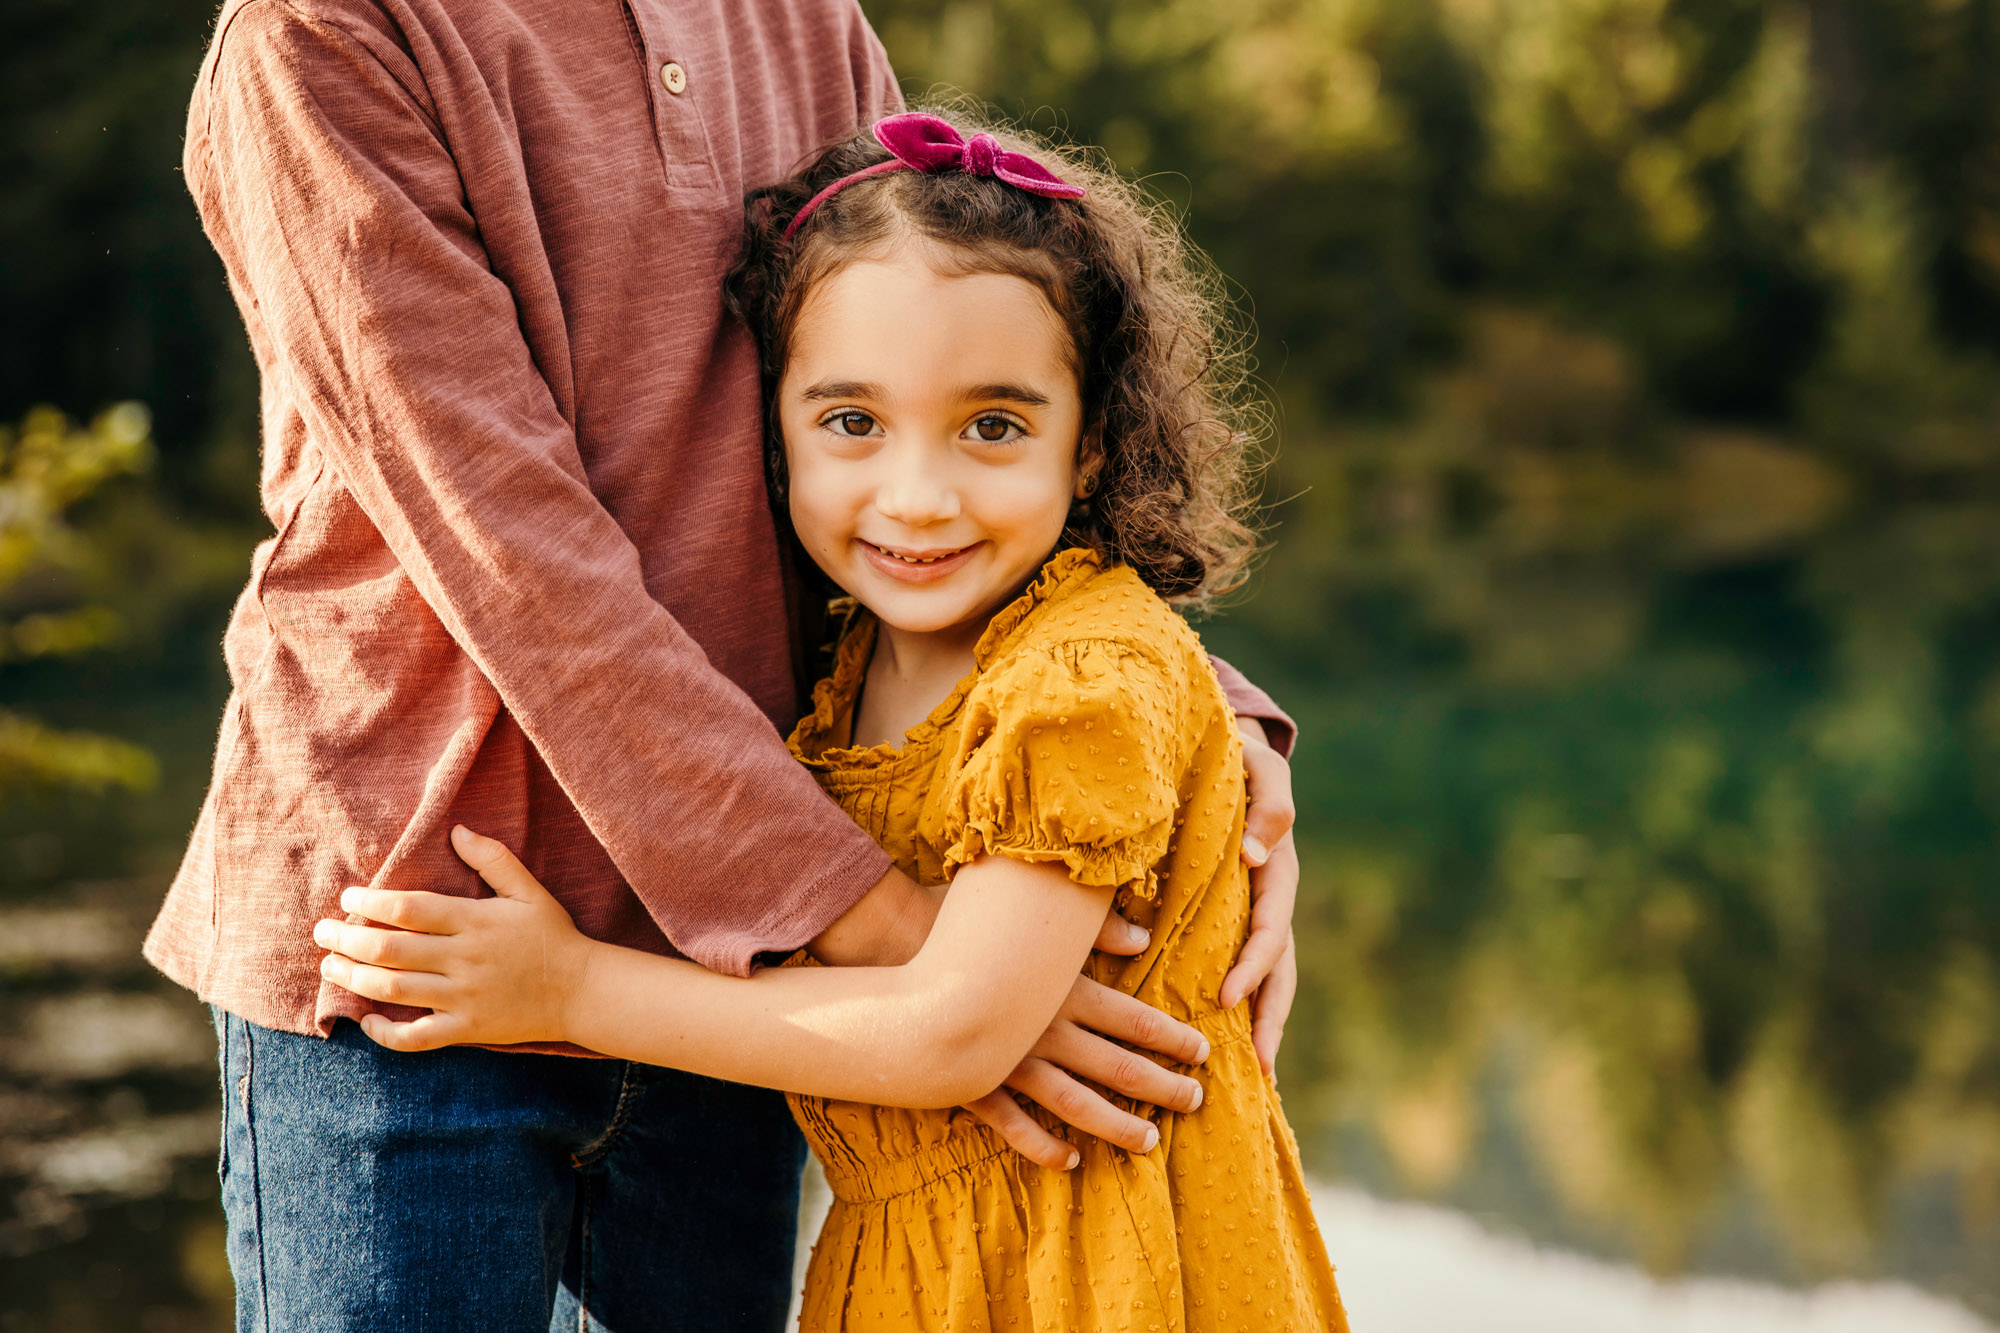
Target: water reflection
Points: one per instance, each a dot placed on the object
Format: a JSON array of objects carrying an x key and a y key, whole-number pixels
[
  {"x": 107, "y": 1126},
  {"x": 1650, "y": 796}
]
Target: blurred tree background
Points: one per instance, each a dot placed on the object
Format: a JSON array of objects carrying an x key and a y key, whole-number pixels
[{"x": 1636, "y": 571}]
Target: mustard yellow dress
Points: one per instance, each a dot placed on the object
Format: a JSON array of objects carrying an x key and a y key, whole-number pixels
[{"x": 1091, "y": 732}]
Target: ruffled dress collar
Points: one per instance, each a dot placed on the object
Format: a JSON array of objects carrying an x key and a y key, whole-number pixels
[{"x": 834, "y": 696}]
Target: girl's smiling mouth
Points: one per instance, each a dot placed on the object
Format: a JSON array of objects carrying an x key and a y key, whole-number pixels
[{"x": 914, "y": 566}]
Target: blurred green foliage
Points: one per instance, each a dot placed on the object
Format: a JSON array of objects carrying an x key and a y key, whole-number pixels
[
  {"x": 46, "y": 468},
  {"x": 110, "y": 601},
  {"x": 1738, "y": 191}
]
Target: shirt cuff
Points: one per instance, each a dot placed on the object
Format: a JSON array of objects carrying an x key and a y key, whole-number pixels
[{"x": 1249, "y": 701}]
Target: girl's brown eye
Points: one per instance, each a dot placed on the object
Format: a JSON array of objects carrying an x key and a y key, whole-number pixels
[
  {"x": 993, "y": 429},
  {"x": 857, "y": 423}
]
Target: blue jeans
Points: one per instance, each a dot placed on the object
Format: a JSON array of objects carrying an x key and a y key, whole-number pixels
[{"x": 375, "y": 1192}]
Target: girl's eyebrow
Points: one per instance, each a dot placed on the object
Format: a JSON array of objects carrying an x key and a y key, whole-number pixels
[
  {"x": 1012, "y": 393},
  {"x": 842, "y": 389}
]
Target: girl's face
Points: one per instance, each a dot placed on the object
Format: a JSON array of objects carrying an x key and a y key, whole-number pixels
[{"x": 931, "y": 426}]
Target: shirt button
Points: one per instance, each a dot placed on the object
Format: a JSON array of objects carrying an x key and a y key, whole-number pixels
[{"x": 674, "y": 77}]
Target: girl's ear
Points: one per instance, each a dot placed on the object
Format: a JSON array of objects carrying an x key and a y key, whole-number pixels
[{"x": 1089, "y": 462}]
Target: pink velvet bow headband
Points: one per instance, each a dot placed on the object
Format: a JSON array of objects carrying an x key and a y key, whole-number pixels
[{"x": 918, "y": 142}]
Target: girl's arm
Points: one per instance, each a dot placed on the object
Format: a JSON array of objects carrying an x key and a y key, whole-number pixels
[{"x": 944, "y": 1028}]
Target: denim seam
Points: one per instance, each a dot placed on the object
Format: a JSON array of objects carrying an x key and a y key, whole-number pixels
[
  {"x": 583, "y": 1259},
  {"x": 256, "y": 1176},
  {"x": 628, "y": 1095},
  {"x": 222, "y": 1076}
]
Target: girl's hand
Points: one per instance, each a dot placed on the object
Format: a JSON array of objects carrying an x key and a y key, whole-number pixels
[
  {"x": 497, "y": 971},
  {"x": 1267, "y": 966}
]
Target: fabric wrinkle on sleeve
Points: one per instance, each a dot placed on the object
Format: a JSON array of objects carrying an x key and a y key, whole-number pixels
[
  {"x": 349, "y": 227},
  {"x": 1071, "y": 755}
]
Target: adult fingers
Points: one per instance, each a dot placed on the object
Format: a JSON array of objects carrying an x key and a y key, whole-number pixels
[
  {"x": 1273, "y": 1007},
  {"x": 1116, "y": 1014},
  {"x": 1073, "y": 1104},
  {"x": 500, "y": 868},
  {"x": 406, "y": 909},
  {"x": 402, "y": 949},
  {"x": 1119, "y": 936},
  {"x": 427, "y": 1033},
  {"x": 1274, "y": 893},
  {"x": 1122, "y": 1071},
  {"x": 1023, "y": 1134},
  {"x": 421, "y": 990},
  {"x": 1271, "y": 812}
]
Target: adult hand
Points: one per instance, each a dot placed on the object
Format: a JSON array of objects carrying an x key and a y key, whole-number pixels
[
  {"x": 1080, "y": 1046},
  {"x": 1267, "y": 968}
]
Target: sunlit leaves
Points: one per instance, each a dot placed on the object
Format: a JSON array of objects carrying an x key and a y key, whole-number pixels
[{"x": 48, "y": 466}]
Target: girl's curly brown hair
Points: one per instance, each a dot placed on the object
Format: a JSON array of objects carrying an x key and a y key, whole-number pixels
[{"x": 1161, "y": 359}]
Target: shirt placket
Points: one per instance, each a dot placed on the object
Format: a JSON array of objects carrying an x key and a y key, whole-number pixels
[{"x": 673, "y": 84}]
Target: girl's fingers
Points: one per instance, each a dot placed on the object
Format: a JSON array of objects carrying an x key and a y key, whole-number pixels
[
  {"x": 406, "y": 909},
  {"x": 1273, "y": 1007},
  {"x": 1073, "y": 1104},
  {"x": 1119, "y": 936},
  {"x": 1115, "y": 1014},
  {"x": 1000, "y": 1111},
  {"x": 1274, "y": 892},
  {"x": 406, "y": 950},
  {"x": 427, "y": 1033},
  {"x": 500, "y": 868},
  {"x": 1122, "y": 1071},
  {"x": 420, "y": 990},
  {"x": 1271, "y": 814}
]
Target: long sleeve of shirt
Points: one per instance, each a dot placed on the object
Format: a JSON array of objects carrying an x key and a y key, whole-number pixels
[{"x": 524, "y": 574}]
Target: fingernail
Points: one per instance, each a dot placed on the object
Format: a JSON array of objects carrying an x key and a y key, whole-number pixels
[
  {"x": 1074, "y": 1158},
  {"x": 1152, "y": 1139},
  {"x": 1201, "y": 1056},
  {"x": 1196, "y": 1105},
  {"x": 460, "y": 834},
  {"x": 1254, "y": 850},
  {"x": 321, "y": 929},
  {"x": 347, "y": 899},
  {"x": 1138, "y": 935}
]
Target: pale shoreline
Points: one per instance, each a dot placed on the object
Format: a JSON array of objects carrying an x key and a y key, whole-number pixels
[{"x": 1418, "y": 1268}]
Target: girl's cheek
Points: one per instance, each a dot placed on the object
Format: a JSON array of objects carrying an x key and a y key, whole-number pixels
[
  {"x": 825, "y": 506},
  {"x": 803, "y": 488},
  {"x": 809, "y": 523},
  {"x": 1030, "y": 504}
]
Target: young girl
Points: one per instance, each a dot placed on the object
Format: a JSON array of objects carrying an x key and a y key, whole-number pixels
[{"x": 1001, "y": 423}]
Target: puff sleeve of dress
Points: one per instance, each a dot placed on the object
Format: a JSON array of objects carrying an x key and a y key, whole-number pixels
[{"x": 1068, "y": 753}]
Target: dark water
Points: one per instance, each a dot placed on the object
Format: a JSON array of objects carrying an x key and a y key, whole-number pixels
[
  {"x": 108, "y": 1210},
  {"x": 1652, "y": 905}
]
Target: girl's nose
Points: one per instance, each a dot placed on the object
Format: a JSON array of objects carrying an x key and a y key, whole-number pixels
[{"x": 914, "y": 494}]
